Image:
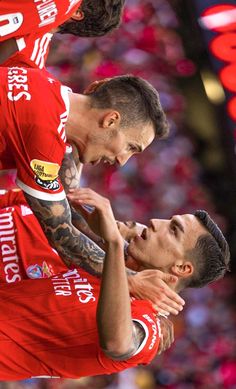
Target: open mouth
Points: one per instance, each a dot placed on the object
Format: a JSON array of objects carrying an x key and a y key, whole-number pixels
[
  {"x": 108, "y": 161},
  {"x": 96, "y": 162}
]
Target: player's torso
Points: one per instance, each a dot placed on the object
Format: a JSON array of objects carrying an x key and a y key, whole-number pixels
[{"x": 34, "y": 111}]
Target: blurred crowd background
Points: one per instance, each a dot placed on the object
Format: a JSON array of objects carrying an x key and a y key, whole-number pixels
[{"x": 194, "y": 168}]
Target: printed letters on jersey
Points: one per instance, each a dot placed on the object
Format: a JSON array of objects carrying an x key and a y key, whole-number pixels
[{"x": 40, "y": 50}]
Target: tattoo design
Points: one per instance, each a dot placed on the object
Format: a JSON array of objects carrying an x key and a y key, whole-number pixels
[
  {"x": 68, "y": 173},
  {"x": 73, "y": 246}
]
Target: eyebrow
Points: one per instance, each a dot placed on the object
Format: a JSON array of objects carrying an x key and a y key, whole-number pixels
[{"x": 178, "y": 224}]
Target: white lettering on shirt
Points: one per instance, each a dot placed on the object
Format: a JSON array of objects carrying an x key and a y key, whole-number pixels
[
  {"x": 10, "y": 23},
  {"x": 18, "y": 84},
  {"x": 47, "y": 11},
  {"x": 80, "y": 286},
  {"x": 154, "y": 329},
  {"x": 8, "y": 248}
]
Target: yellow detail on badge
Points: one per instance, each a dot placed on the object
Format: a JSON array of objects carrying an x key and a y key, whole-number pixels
[{"x": 46, "y": 171}]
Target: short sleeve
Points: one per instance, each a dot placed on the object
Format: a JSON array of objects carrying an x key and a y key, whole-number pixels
[{"x": 142, "y": 312}]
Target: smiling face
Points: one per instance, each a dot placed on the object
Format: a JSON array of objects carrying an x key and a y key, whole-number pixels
[
  {"x": 116, "y": 145},
  {"x": 165, "y": 242}
]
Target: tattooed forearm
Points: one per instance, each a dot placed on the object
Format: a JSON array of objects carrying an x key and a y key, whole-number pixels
[
  {"x": 69, "y": 175},
  {"x": 80, "y": 223},
  {"x": 70, "y": 178},
  {"x": 73, "y": 246}
]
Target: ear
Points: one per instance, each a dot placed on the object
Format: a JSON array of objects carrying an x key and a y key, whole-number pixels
[
  {"x": 111, "y": 120},
  {"x": 78, "y": 15},
  {"x": 182, "y": 269}
]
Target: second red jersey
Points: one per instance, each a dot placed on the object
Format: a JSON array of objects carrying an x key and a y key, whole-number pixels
[
  {"x": 18, "y": 18},
  {"x": 48, "y": 326}
]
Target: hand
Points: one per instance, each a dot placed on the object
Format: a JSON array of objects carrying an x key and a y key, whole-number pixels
[
  {"x": 153, "y": 285},
  {"x": 167, "y": 334},
  {"x": 101, "y": 220},
  {"x": 130, "y": 229}
]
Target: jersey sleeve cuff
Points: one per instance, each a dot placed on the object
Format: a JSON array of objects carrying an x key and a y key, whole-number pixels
[
  {"x": 142, "y": 345},
  {"x": 40, "y": 195}
]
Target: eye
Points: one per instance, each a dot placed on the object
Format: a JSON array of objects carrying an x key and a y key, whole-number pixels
[{"x": 132, "y": 148}]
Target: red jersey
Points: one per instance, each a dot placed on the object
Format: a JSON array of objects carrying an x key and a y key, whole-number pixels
[
  {"x": 33, "y": 109},
  {"x": 24, "y": 249},
  {"x": 48, "y": 328},
  {"x": 19, "y": 18},
  {"x": 32, "y": 51}
]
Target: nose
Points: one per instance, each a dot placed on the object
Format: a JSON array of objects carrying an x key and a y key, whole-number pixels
[
  {"x": 123, "y": 158},
  {"x": 153, "y": 224}
]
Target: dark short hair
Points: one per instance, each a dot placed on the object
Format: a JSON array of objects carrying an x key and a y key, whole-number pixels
[
  {"x": 210, "y": 255},
  {"x": 136, "y": 100},
  {"x": 100, "y": 17}
]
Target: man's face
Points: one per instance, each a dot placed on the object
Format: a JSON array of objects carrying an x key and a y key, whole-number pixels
[
  {"x": 116, "y": 146},
  {"x": 166, "y": 241}
]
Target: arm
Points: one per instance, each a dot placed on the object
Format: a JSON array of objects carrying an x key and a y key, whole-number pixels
[
  {"x": 70, "y": 174},
  {"x": 72, "y": 245},
  {"x": 116, "y": 330},
  {"x": 119, "y": 336}
]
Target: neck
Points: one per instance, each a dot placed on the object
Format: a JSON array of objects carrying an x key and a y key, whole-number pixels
[{"x": 76, "y": 125}]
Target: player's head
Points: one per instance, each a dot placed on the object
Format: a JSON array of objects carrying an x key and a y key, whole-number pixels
[
  {"x": 192, "y": 247},
  {"x": 94, "y": 18},
  {"x": 124, "y": 116}
]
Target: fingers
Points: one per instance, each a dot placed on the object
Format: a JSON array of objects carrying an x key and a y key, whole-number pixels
[
  {"x": 170, "y": 278},
  {"x": 87, "y": 196},
  {"x": 168, "y": 302},
  {"x": 168, "y": 307},
  {"x": 160, "y": 312},
  {"x": 172, "y": 297}
]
